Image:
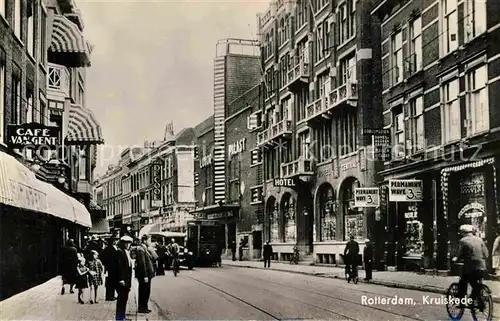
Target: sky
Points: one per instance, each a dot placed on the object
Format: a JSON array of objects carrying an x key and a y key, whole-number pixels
[{"x": 152, "y": 62}]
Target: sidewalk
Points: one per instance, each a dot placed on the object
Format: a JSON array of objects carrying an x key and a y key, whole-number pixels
[
  {"x": 405, "y": 280},
  {"x": 45, "y": 302}
]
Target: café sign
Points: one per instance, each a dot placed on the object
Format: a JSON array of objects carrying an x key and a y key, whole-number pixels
[{"x": 33, "y": 135}]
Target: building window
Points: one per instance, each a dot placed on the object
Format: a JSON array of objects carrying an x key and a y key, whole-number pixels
[
  {"x": 348, "y": 134},
  {"x": 289, "y": 226},
  {"x": 415, "y": 45},
  {"x": 42, "y": 112},
  {"x": 324, "y": 137},
  {"x": 43, "y": 35},
  {"x": 273, "y": 223},
  {"x": 301, "y": 14},
  {"x": 397, "y": 57},
  {"x": 477, "y": 111},
  {"x": 257, "y": 195},
  {"x": 319, "y": 43},
  {"x": 304, "y": 140},
  {"x": 347, "y": 70},
  {"x": 271, "y": 43},
  {"x": 450, "y": 26},
  {"x": 30, "y": 36},
  {"x": 399, "y": 132},
  {"x": 256, "y": 157},
  {"x": 2, "y": 101},
  {"x": 353, "y": 218},
  {"x": 254, "y": 121},
  {"x": 352, "y": 18},
  {"x": 475, "y": 19},
  {"x": 18, "y": 18},
  {"x": 343, "y": 29},
  {"x": 451, "y": 112},
  {"x": 417, "y": 124},
  {"x": 16, "y": 100},
  {"x": 82, "y": 165},
  {"x": 328, "y": 214}
]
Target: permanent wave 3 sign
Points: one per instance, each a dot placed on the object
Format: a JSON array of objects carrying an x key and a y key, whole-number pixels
[
  {"x": 405, "y": 190},
  {"x": 32, "y": 134},
  {"x": 366, "y": 197}
]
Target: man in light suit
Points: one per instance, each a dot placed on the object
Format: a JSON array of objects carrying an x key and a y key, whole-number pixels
[
  {"x": 144, "y": 272},
  {"x": 123, "y": 276}
]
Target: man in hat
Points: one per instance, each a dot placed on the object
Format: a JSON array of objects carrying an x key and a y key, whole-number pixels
[
  {"x": 123, "y": 276},
  {"x": 351, "y": 254},
  {"x": 108, "y": 258},
  {"x": 473, "y": 253},
  {"x": 367, "y": 259},
  {"x": 144, "y": 272}
]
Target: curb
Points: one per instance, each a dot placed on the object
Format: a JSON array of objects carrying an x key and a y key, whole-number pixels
[{"x": 389, "y": 284}]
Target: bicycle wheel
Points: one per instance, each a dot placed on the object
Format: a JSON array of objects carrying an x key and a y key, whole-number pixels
[
  {"x": 483, "y": 313},
  {"x": 455, "y": 311}
]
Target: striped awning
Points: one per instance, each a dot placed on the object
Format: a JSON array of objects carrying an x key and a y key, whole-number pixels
[
  {"x": 68, "y": 39},
  {"x": 83, "y": 126}
]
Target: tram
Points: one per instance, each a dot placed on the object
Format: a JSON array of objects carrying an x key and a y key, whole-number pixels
[{"x": 205, "y": 239}]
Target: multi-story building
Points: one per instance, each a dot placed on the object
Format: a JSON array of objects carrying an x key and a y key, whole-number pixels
[
  {"x": 112, "y": 188},
  {"x": 40, "y": 170},
  {"x": 440, "y": 81},
  {"x": 237, "y": 69},
  {"x": 98, "y": 192},
  {"x": 320, "y": 96}
]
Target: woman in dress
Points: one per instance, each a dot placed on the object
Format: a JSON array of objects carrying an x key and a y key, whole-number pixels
[
  {"x": 95, "y": 274},
  {"x": 82, "y": 278}
]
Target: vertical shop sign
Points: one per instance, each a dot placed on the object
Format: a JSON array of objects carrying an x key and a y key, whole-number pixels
[{"x": 157, "y": 167}]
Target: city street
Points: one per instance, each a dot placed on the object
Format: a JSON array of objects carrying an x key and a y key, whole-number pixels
[{"x": 249, "y": 294}]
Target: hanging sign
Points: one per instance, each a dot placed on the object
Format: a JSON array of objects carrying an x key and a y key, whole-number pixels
[
  {"x": 32, "y": 134},
  {"x": 366, "y": 197},
  {"x": 405, "y": 190},
  {"x": 157, "y": 167}
]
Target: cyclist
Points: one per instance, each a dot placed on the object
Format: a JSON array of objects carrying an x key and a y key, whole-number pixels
[
  {"x": 173, "y": 251},
  {"x": 473, "y": 252}
]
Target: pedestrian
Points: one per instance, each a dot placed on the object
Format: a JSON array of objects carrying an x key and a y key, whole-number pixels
[
  {"x": 68, "y": 264},
  {"x": 123, "y": 276},
  {"x": 144, "y": 272},
  {"x": 82, "y": 279},
  {"x": 268, "y": 252},
  {"x": 233, "y": 250},
  {"x": 96, "y": 268},
  {"x": 351, "y": 255},
  {"x": 367, "y": 259},
  {"x": 109, "y": 260},
  {"x": 240, "y": 250},
  {"x": 161, "y": 259},
  {"x": 495, "y": 255}
]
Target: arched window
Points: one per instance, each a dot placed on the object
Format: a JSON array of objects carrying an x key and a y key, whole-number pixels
[
  {"x": 272, "y": 212},
  {"x": 328, "y": 213},
  {"x": 266, "y": 47},
  {"x": 289, "y": 226},
  {"x": 271, "y": 43},
  {"x": 353, "y": 217}
]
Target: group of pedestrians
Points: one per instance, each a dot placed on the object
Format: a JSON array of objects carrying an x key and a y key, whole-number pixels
[{"x": 351, "y": 259}]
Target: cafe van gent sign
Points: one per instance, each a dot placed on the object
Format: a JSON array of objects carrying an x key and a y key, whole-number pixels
[{"x": 32, "y": 134}]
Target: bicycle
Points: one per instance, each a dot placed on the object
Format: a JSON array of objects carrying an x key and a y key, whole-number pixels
[
  {"x": 175, "y": 266},
  {"x": 295, "y": 258},
  {"x": 351, "y": 273},
  {"x": 454, "y": 302}
]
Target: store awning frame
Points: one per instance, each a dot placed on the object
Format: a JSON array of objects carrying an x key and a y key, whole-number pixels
[
  {"x": 216, "y": 208},
  {"x": 68, "y": 44},
  {"x": 83, "y": 127}
]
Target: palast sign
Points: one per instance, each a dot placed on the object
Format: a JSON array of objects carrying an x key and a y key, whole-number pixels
[
  {"x": 284, "y": 182},
  {"x": 237, "y": 147},
  {"x": 32, "y": 134},
  {"x": 405, "y": 190},
  {"x": 366, "y": 197}
]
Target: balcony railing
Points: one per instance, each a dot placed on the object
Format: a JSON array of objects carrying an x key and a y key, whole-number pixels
[
  {"x": 343, "y": 93},
  {"x": 58, "y": 81},
  {"x": 282, "y": 128},
  {"x": 299, "y": 74},
  {"x": 300, "y": 166}
]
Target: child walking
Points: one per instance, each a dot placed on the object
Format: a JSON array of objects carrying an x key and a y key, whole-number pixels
[
  {"x": 96, "y": 269},
  {"x": 82, "y": 279}
]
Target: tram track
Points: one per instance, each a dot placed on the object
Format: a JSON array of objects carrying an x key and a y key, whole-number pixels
[{"x": 329, "y": 296}]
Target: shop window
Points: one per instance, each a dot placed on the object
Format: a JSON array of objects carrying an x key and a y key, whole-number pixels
[
  {"x": 289, "y": 220},
  {"x": 414, "y": 232},
  {"x": 273, "y": 222},
  {"x": 472, "y": 201},
  {"x": 353, "y": 217},
  {"x": 328, "y": 213}
]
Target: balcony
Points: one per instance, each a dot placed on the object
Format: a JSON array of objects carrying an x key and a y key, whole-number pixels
[
  {"x": 281, "y": 129},
  {"x": 298, "y": 76},
  {"x": 346, "y": 93},
  {"x": 58, "y": 82},
  {"x": 317, "y": 110},
  {"x": 299, "y": 167}
]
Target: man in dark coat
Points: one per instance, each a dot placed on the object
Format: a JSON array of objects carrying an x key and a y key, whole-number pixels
[
  {"x": 268, "y": 252},
  {"x": 367, "y": 259},
  {"x": 108, "y": 259},
  {"x": 69, "y": 262},
  {"x": 233, "y": 250},
  {"x": 123, "y": 276},
  {"x": 144, "y": 272},
  {"x": 351, "y": 254},
  {"x": 161, "y": 258}
]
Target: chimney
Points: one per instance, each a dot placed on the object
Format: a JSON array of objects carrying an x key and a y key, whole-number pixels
[{"x": 169, "y": 132}]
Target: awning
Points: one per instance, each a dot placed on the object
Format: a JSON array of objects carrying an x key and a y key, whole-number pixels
[
  {"x": 20, "y": 188},
  {"x": 99, "y": 226},
  {"x": 215, "y": 209},
  {"x": 68, "y": 45},
  {"x": 83, "y": 126},
  {"x": 150, "y": 228}
]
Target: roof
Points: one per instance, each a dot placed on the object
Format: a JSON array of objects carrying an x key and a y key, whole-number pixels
[{"x": 204, "y": 126}]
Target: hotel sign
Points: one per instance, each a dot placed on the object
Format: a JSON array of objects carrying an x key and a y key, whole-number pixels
[
  {"x": 405, "y": 190},
  {"x": 237, "y": 147},
  {"x": 32, "y": 134},
  {"x": 366, "y": 197},
  {"x": 284, "y": 182}
]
